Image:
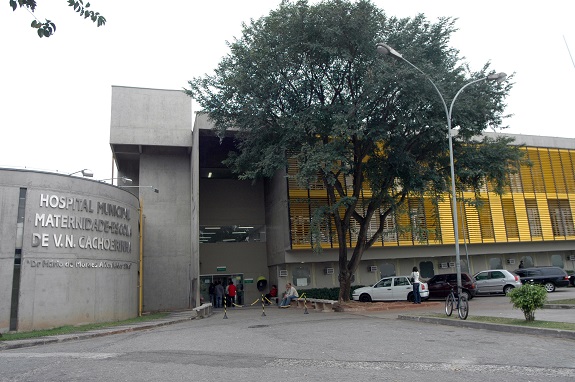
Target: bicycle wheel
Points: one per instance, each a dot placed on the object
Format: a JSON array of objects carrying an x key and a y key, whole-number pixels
[
  {"x": 449, "y": 302},
  {"x": 463, "y": 307}
]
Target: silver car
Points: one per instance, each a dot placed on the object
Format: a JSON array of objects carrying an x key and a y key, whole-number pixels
[{"x": 496, "y": 281}]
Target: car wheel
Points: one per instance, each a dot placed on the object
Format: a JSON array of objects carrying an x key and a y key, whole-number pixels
[
  {"x": 549, "y": 287},
  {"x": 507, "y": 289},
  {"x": 410, "y": 297},
  {"x": 365, "y": 298},
  {"x": 466, "y": 294}
]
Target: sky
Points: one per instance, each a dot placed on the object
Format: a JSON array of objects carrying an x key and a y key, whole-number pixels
[{"x": 55, "y": 93}]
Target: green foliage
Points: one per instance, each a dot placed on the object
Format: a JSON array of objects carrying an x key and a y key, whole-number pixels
[
  {"x": 528, "y": 298},
  {"x": 48, "y": 28},
  {"x": 306, "y": 82}
]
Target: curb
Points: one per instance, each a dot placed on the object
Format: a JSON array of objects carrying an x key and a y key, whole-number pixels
[
  {"x": 172, "y": 319},
  {"x": 555, "y": 333}
]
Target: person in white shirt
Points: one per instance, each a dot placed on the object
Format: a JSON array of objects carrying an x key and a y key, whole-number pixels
[
  {"x": 290, "y": 294},
  {"x": 415, "y": 282}
]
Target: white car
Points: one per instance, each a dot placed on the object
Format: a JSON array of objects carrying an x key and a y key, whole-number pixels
[{"x": 392, "y": 288}]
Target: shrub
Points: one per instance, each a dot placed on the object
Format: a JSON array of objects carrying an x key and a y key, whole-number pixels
[{"x": 528, "y": 298}]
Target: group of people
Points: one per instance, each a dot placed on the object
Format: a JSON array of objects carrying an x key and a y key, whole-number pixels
[{"x": 217, "y": 293}]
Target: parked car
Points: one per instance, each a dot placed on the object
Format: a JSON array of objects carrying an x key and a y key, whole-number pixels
[
  {"x": 440, "y": 285},
  {"x": 496, "y": 281},
  {"x": 392, "y": 288},
  {"x": 549, "y": 277}
]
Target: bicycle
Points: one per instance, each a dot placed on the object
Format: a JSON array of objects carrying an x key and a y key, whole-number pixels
[{"x": 462, "y": 305}]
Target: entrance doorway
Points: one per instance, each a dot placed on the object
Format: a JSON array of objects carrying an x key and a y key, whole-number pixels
[{"x": 206, "y": 280}]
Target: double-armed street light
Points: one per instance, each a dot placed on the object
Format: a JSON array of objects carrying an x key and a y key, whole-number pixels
[
  {"x": 152, "y": 187},
  {"x": 85, "y": 172},
  {"x": 121, "y": 178},
  {"x": 385, "y": 49}
]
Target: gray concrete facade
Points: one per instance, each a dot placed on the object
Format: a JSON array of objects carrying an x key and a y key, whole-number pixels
[
  {"x": 151, "y": 140},
  {"x": 69, "y": 251}
]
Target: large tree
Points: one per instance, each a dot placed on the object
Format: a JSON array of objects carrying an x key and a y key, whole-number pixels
[{"x": 306, "y": 82}]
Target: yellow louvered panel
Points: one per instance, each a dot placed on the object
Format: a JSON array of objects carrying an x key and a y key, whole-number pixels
[
  {"x": 543, "y": 209},
  {"x": 547, "y": 171},
  {"x": 510, "y": 218},
  {"x": 298, "y": 193},
  {"x": 526, "y": 179},
  {"x": 498, "y": 218},
  {"x": 473, "y": 227},
  {"x": 315, "y": 193},
  {"x": 323, "y": 236},
  {"x": 432, "y": 222},
  {"x": 558, "y": 174},
  {"x": 446, "y": 221},
  {"x": 486, "y": 222},
  {"x": 536, "y": 170},
  {"x": 403, "y": 221},
  {"x": 300, "y": 223},
  {"x": 569, "y": 163},
  {"x": 522, "y": 219}
]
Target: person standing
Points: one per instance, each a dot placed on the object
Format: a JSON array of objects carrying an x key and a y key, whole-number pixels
[
  {"x": 219, "y": 294},
  {"x": 290, "y": 294},
  {"x": 232, "y": 290},
  {"x": 416, "y": 282}
]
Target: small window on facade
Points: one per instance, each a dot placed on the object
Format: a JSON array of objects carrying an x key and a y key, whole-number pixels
[
  {"x": 387, "y": 269},
  {"x": 426, "y": 269},
  {"x": 301, "y": 275},
  {"x": 557, "y": 261},
  {"x": 495, "y": 263},
  {"x": 527, "y": 261}
]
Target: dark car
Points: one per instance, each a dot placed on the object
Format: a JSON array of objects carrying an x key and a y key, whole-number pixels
[
  {"x": 440, "y": 285},
  {"x": 549, "y": 277}
]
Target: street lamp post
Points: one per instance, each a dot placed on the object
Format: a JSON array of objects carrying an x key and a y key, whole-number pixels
[{"x": 385, "y": 49}]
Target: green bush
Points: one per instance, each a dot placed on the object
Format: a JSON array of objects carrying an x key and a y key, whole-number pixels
[{"x": 528, "y": 298}]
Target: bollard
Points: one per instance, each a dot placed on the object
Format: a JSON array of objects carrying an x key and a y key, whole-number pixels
[
  {"x": 263, "y": 306},
  {"x": 225, "y": 308}
]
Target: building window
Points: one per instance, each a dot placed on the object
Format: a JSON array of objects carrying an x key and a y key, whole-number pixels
[
  {"x": 527, "y": 261},
  {"x": 301, "y": 275},
  {"x": 557, "y": 261},
  {"x": 495, "y": 263},
  {"x": 387, "y": 269},
  {"x": 561, "y": 218},
  {"x": 533, "y": 218},
  {"x": 426, "y": 269}
]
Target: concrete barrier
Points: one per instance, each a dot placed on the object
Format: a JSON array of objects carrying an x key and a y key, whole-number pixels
[{"x": 204, "y": 310}]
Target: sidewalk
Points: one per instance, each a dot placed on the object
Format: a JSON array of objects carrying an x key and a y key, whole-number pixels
[{"x": 559, "y": 313}]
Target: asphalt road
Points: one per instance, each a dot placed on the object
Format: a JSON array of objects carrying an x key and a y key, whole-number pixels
[{"x": 288, "y": 345}]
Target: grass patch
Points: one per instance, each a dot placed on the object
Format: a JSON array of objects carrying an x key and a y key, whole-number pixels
[
  {"x": 515, "y": 322},
  {"x": 69, "y": 329},
  {"x": 568, "y": 301}
]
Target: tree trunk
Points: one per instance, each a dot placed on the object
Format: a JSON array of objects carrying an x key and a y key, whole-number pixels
[{"x": 344, "y": 286}]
